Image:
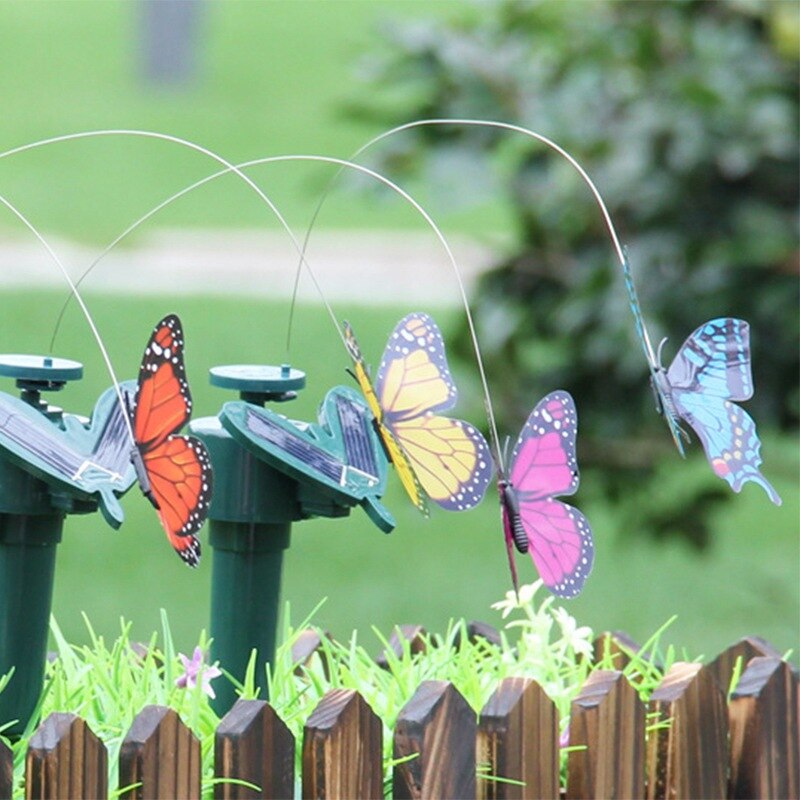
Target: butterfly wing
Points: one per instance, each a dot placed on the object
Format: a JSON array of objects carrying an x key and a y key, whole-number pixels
[
  {"x": 450, "y": 457},
  {"x": 178, "y": 468},
  {"x": 394, "y": 451},
  {"x": 715, "y": 360},
  {"x": 657, "y": 377},
  {"x": 163, "y": 400},
  {"x": 414, "y": 377},
  {"x": 712, "y": 368},
  {"x": 638, "y": 318},
  {"x": 728, "y": 435},
  {"x": 180, "y": 476},
  {"x": 543, "y": 466}
]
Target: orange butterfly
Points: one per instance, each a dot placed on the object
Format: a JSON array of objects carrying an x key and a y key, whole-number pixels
[
  {"x": 174, "y": 471},
  {"x": 435, "y": 456}
]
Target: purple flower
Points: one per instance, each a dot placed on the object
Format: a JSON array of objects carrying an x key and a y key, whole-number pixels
[
  {"x": 563, "y": 740},
  {"x": 195, "y": 669}
]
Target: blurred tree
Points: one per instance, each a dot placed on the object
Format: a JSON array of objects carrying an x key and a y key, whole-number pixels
[{"x": 685, "y": 114}]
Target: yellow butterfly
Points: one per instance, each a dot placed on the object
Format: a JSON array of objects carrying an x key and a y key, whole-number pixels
[{"x": 435, "y": 456}]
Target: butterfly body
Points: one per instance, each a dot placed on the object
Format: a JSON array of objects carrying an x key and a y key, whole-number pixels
[
  {"x": 174, "y": 471},
  {"x": 543, "y": 467},
  {"x": 509, "y": 501},
  {"x": 436, "y": 456},
  {"x": 142, "y": 477}
]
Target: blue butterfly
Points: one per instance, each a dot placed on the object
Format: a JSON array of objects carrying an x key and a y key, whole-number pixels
[{"x": 709, "y": 372}]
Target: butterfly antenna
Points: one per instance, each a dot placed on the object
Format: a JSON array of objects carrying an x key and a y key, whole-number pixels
[
  {"x": 95, "y": 332},
  {"x": 661, "y": 344},
  {"x": 506, "y": 445}
]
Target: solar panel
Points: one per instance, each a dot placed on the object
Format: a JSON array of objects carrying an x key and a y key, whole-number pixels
[
  {"x": 358, "y": 435},
  {"x": 112, "y": 451},
  {"x": 87, "y": 458},
  {"x": 39, "y": 441},
  {"x": 296, "y": 446}
]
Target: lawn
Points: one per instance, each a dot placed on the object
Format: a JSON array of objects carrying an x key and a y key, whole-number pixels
[
  {"x": 274, "y": 78},
  {"x": 425, "y": 571}
]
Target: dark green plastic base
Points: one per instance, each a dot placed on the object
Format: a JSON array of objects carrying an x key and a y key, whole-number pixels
[
  {"x": 245, "y": 590},
  {"x": 27, "y": 567}
]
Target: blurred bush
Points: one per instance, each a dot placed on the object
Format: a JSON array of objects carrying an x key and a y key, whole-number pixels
[{"x": 685, "y": 114}]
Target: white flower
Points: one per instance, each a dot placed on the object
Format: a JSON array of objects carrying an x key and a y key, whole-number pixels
[{"x": 578, "y": 638}]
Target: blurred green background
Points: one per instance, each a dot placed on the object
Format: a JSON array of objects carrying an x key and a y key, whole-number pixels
[{"x": 274, "y": 78}]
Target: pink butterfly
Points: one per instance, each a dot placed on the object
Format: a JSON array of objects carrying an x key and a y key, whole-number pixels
[{"x": 543, "y": 466}]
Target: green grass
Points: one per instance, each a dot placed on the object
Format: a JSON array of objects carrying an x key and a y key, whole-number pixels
[
  {"x": 428, "y": 572},
  {"x": 540, "y": 640},
  {"x": 275, "y": 78}
]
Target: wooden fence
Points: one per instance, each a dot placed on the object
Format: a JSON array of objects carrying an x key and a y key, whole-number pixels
[{"x": 748, "y": 747}]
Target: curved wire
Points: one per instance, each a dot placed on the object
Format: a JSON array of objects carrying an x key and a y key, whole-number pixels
[
  {"x": 192, "y": 146},
  {"x": 343, "y": 164},
  {"x": 645, "y": 338},
  {"x": 95, "y": 332}
]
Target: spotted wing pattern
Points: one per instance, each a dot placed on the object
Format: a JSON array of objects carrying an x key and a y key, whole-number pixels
[
  {"x": 543, "y": 467},
  {"x": 448, "y": 458},
  {"x": 394, "y": 452},
  {"x": 178, "y": 468}
]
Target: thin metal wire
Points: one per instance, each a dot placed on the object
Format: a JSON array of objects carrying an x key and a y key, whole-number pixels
[
  {"x": 558, "y": 149},
  {"x": 192, "y": 146},
  {"x": 277, "y": 159},
  {"x": 95, "y": 332}
]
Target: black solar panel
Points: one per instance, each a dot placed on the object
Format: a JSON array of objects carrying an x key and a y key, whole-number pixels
[
  {"x": 53, "y": 448},
  {"x": 296, "y": 446},
  {"x": 357, "y": 434},
  {"x": 39, "y": 442}
]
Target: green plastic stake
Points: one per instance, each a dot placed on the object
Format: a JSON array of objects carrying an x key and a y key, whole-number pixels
[
  {"x": 250, "y": 523},
  {"x": 27, "y": 568},
  {"x": 51, "y": 464},
  {"x": 268, "y": 473},
  {"x": 30, "y": 529}
]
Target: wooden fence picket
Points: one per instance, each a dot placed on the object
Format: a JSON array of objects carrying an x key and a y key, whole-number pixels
[
  {"x": 619, "y": 646},
  {"x": 518, "y": 740},
  {"x": 253, "y": 744},
  {"x": 764, "y": 731},
  {"x": 343, "y": 749},
  {"x": 306, "y": 643},
  {"x": 65, "y": 760},
  {"x": 478, "y": 632},
  {"x": 700, "y": 743},
  {"x": 608, "y": 719},
  {"x": 413, "y": 634},
  {"x": 159, "y": 758},
  {"x": 6, "y": 770},
  {"x": 688, "y": 757},
  {"x": 437, "y": 727},
  {"x": 748, "y": 647}
]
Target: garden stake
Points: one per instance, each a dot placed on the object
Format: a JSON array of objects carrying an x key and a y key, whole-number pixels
[
  {"x": 268, "y": 472},
  {"x": 51, "y": 464}
]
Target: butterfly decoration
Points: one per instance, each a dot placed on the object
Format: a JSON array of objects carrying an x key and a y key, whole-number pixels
[
  {"x": 710, "y": 371},
  {"x": 436, "y": 457},
  {"x": 174, "y": 471},
  {"x": 543, "y": 467}
]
